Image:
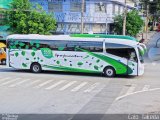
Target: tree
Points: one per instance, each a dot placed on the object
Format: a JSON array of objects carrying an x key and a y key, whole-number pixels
[
  {"x": 153, "y": 5},
  {"x": 23, "y": 19},
  {"x": 134, "y": 23}
]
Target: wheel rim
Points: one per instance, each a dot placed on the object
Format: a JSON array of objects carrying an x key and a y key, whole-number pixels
[
  {"x": 36, "y": 68},
  {"x": 109, "y": 72}
]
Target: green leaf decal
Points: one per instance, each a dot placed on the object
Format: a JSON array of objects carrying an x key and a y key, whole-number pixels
[
  {"x": 96, "y": 67},
  {"x": 65, "y": 59},
  {"x": 24, "y": 65},
  {"x": 33, "y": 54},
  {"x": 34, "y": 48},
  {"x": 31, "y": 43},
  {"x": 21, "y": 44},
  {"x": 79, "y": 63},
  {"x": 16, "y": 42},
  {"x": 47, "y": 52},
  {"x": 16, "y": 54},
  {"x": 37, "y": 45},
  {"x": 97, "y": 61},
  {"x": 27, "y": 47},
  {"x": 23, "y": 53},
  {"x": 41, "y": 60},
  {"x": 86, "y": 57},
  {"x": 60, "y": 48},
  {"x": 27, "y": 58},
  {"x": 58, "y": 62},
  {"x": 14, "y": 47}
]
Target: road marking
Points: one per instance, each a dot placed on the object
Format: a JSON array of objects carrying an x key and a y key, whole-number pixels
[
  {"x": 7, "y": 82},
  {"x": 16, "y": 84},
  {"x": 92, "y": 87},
  {"x": 55, "y": 85},
  {"x": 79, "y": 87},
  {"x": 43, "y": 84},
  {"x": 154, "y": 63},
  {"x": 146, "y": 88},
  {"x": 35, "y": 81},
  {"x": 131, "y": 89},
  {"x": 123, "y": 96},
  {"x": 3, "y": 79},
  {"x": 68, "y": 85}
]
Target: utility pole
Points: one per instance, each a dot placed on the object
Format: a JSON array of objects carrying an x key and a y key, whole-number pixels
[
  {"x": 106, "y": 19},
  {"x": 124, "y": 19},
  {"x": 82, "y": 17},
  {"x": 147, "y": 21}
]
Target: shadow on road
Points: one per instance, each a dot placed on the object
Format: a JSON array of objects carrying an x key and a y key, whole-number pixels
[{"x": 5, "y": 70}]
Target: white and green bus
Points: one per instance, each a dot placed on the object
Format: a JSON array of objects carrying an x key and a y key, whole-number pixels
[{"x": 93, "y": 54}]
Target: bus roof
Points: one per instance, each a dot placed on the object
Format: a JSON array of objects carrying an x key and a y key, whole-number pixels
[
  {"x": 104, "y": 36},
  {"x": 68, "y": 37}
]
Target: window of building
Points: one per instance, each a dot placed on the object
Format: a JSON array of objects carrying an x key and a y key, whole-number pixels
[
  {"x": 55, "y": 6},
  {"x": 99, "y": 28},
  {"x": 113, "y": 9},
  {"x": 100, "y": 7},
  {"x": 119, "y": 9},
  {"x": 76, "y": 6}
]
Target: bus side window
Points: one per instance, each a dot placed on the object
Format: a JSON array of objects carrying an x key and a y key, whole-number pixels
[{"x": 120, "y": 52}]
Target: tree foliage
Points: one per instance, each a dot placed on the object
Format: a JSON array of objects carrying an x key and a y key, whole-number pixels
[
  {"x": 134, "y": 23},
  {"x": 153, "y": 6},
  {"x": 24, "y": 19}
]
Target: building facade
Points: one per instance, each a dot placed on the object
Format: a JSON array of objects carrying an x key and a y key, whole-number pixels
[{"x": 98, "y": 14}]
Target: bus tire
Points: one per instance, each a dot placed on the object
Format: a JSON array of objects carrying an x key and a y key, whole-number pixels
[
  {"x": 3, "y": 61},
  {"x": 109, "y": 71},
  {"x": 35, "y": 68}
]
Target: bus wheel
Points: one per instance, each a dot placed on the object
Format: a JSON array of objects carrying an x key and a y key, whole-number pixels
[
  {"x": 36, "y": 68},
  {"x": 109, "y": 71},
  {"x": 3, "y": 61}
]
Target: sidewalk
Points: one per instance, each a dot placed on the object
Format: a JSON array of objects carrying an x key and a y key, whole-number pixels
[{"x": 150, "y": 36}]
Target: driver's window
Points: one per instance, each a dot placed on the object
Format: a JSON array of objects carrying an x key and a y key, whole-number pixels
[{"x": 132, "y": 55}]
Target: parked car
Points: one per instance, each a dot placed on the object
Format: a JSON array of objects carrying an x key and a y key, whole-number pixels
[{"x": 2, "y": 53}]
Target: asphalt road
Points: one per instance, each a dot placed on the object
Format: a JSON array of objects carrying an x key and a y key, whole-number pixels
[
  {"x": 22, "y": 92},
  {"x": 77, "y": 96}
]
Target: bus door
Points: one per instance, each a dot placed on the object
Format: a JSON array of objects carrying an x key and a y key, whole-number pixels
[{"x": 132, "y": 62}]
